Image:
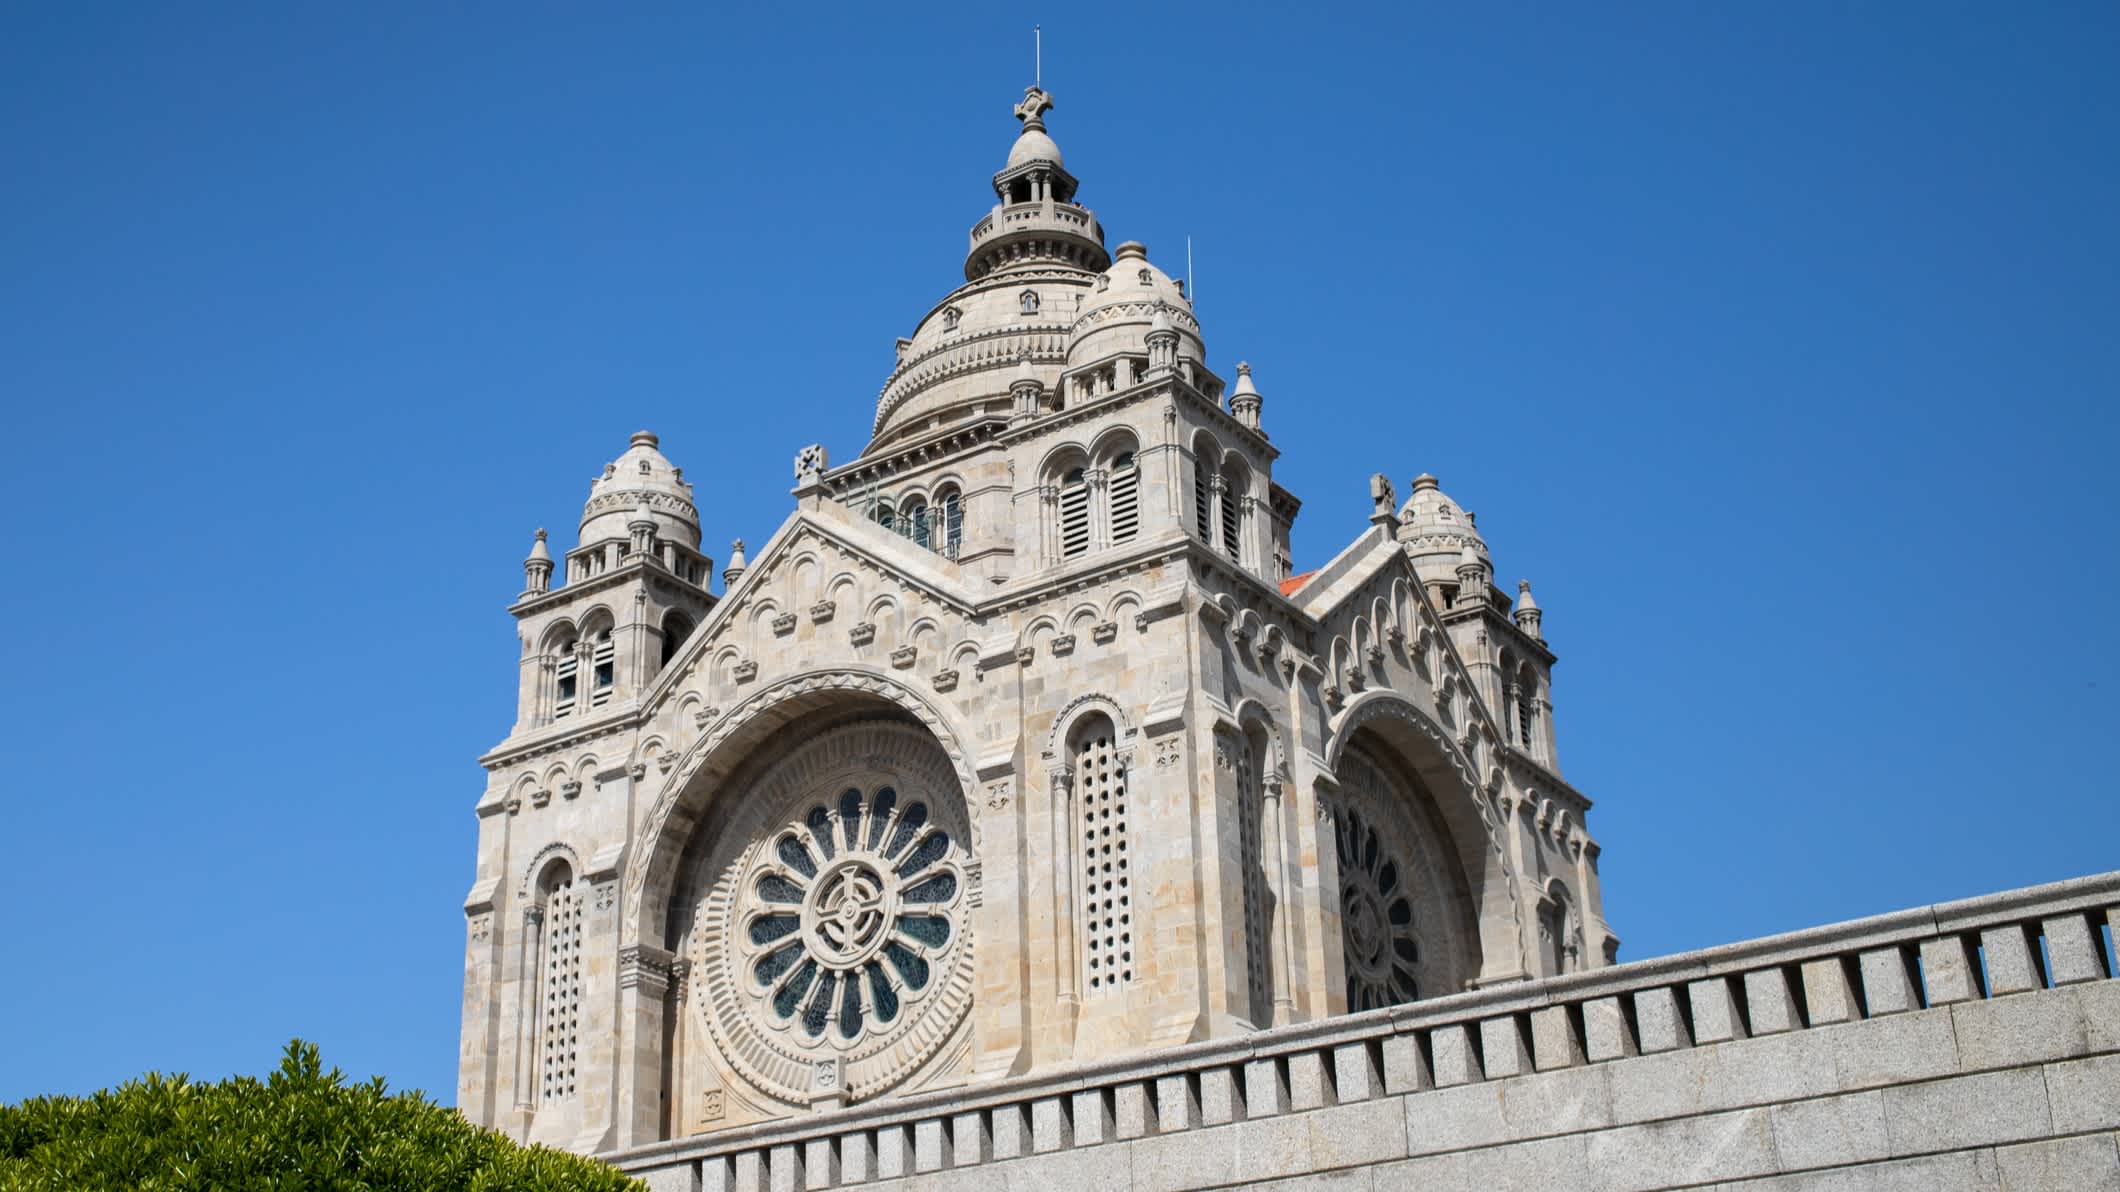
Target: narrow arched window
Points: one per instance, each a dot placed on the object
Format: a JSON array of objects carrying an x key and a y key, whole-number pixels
[
  {"x": 1232, "y": 526},
  {"x": 559, "y": 985},
  {"x": 1074, "y": 514},
  {"x": 885, "y": 515},
  {"x": 603, "y": 663},
  {"x": 952, "y": 527},
  {"x": 676, "y": 628},
  {"x": 566, "y": 679},
  {"x": 913, "y": 523},
  {"x": 1251, "y": 841},
  {"x": 1526, "y": 708},
  {"x": 1203, "y": 512},
  {"x": 1029, "y": 301},
  {"x": 1103, "y": 873},
  {"x": 1126, "y": 497}
]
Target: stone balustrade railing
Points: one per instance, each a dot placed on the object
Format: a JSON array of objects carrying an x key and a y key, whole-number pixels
[{"x": 1989, "y": 948}]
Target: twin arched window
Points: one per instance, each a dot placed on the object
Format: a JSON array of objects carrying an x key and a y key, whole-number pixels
[
  {"x": 585, "y": 674},
  {"x": 1079, "y": 512},
  {"x": 1220, "y": 484},
  {"x": 939, "y": 526}
]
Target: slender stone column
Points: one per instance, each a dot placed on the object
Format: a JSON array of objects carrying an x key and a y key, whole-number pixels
[{"x": 528, "y": 1005}]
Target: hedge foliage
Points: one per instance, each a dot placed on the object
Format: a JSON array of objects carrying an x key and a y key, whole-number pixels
[{"x": 302, "y": 1129}]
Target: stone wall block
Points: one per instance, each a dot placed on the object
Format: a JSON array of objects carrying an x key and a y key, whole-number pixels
[
  {"x": 1093, "y": 1117},
  {"x": 2011, "y": 966},
  {"x": 820, "y": 1163},
  {"x": 1308, "y": 1087},
  {"x": 970, "y": 1144},
  {"x": 1265, "y": 1094},
  {"x": 1770, "y": 1002},
  {"x": 1008, "y": 1131},
  {"x": 1133, "y": 1111},
  {"x": 1684, "y": 1151},
  {"x": 1967, "y": 1111},
  {"x": 717, "y": 1173},
  {"x": 2089, "y": 1161},
  {"x": 2007, "y": 1032},
  {"x": 1829, "y": 993},
  {"x": 1887, "y": 982},
  {"x": 1354, "y": 1070},
  {"x": 894, "y": 1152},
  {"x": 1503, "y": 1049},
  {"x": 1830, "y": 1131},
  {"x": 784, "y": 1168},
  {"x": 857, "y": 1157},
  {"x": 1406, "y": 1068},
  {"x": 1661, "y": 1026},
  {"x": 1220, "y": 1101},
  {"x": 2085, "y": 1094},
  {"x": 2100, "y": 1001},
  {"x": 2073, "y": 952},
  {"x": 1177, "y": 1104},
  {"x": 931, "y": 1145},
  {"x": 1051, "y": 1126},
  {"x": 1607, "y": 1035},
  {"x": 1891, "y": 1050},
  {"x": 1456, "y": 1057},
  {"x": 1717, "y": 1014},
  {"x": 1948, "y": 971},
  {"x": 1553, "y": 1039}
]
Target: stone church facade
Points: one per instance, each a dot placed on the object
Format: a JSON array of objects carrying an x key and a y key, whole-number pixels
[
  {"x": 1014, "y": 817},
  {"x": 1017, "y": 746}
]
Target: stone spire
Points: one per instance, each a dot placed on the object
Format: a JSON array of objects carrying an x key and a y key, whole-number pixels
[
  {"x": 1527, "y": 611},
  {"x": 1244, "y": 400},
  {"x": 537, "y": 569},
  {"x": 734, "y": 571},
  {"x": 1026, "y": 389},
  {"x": 1472, "y": 578}
]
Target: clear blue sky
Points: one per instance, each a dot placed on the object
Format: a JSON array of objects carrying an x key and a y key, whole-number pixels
[{"x": 1774, "y": 342}]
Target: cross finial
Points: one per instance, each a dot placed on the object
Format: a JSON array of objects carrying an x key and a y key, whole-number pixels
[{"x": 1036, "y": 103}]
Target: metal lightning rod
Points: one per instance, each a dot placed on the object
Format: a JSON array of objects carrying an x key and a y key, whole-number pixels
[
  {"x": 1192, "y": 282},
  {"x": 1038, "y": 57}
]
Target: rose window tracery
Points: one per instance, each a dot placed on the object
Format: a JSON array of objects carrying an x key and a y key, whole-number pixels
[
  {"x": 1376, "y": 906},
  {"x": 846, "y": 909},
  {"x": 833, "y": 920}
]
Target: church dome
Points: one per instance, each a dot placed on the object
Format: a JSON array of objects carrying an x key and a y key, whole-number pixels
[
  {"x": 642, "y": 476},
  {"x": 1437, "y": 531},
  {"x": 1122, "y": 306},
  {"x": 1033, "y": 145}
]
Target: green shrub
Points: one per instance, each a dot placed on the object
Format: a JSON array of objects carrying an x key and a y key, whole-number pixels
[{"x": 302, "y": 1129}]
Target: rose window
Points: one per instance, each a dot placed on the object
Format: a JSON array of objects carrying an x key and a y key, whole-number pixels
[
  {"x": 1376, "y": 910},
  {"x": 834, "y": 923},
  {"x": 847, "y": 910}
]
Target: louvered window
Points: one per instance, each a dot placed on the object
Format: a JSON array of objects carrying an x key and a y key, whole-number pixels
[
  {"x": 1103, "y": 897},
  {"x": 569, "y": 682},
  {"x": 1202, "y": 511},
  {"x": 603, "y": 661},
  {"x": 560, "y": 1001},
  {"x": 1126, "y": 498},
  {"x": 1074, "y": 515},
  {"x": 1526, "y": 714},
  {"x": 1232, "y": 530}
]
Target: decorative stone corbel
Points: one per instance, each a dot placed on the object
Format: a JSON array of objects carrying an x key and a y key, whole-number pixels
[
  {"x": 946, "y": 680},
  {"x": 862, "y": 633},
  {"x": 822, "y": 611},
  {"x": 903, "y": 657},
  {"x": 513, "y": 803},
  {"x": 704, "y": 715},
  {"x": 746, "y": 671},
  {"x": 1103, "y": 632},
  {"x": 570, "y": 789},
  {"x": 637, "y": 771},
  {"x": 1024, "y": 654},
  {"x": 784, "y": 624},
  {"x": 1062, "y": 645},
  {"x": 539, "y": 796}
]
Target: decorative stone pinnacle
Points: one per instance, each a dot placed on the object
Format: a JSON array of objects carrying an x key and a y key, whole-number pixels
[
  {"x": 1036, "y": 103},
  {"x": 645, "y": 438},
  {"x": 1243, "y": 368}
]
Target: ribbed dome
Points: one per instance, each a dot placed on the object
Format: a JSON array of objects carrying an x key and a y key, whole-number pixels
[
  {"x": 1122, "y": 306},
  {"x": 1437, "y": 531},
  {"x": 641, "y": 476}
]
